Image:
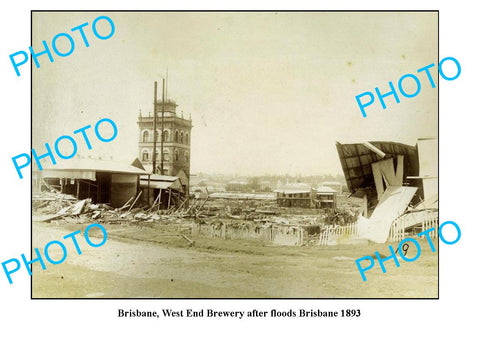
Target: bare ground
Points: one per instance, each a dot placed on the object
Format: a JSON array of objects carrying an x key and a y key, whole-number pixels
[{"x": 151, "y": 260}]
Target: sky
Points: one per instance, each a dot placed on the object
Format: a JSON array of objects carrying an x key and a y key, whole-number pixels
[{"x": 268, "y": 93}]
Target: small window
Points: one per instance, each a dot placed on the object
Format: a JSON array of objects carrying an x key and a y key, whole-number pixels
[
  {"x": 186, "y": 138},
  {"x": 186, "y": 156},
  {"x": 176, "y": 155},
  {"x": 165, "y": 136},
  {"x": 145, "y": 136},
  {"x": 145, "y": 156},
  {"x": 181, "y": 137},
  {"x": 165, "y": 155},
  {"x": 176, "y": 136}
]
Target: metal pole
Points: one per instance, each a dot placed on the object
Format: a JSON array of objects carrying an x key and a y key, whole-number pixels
[
  {"x": 163, "y": 113},
  {"x": 155, "y": 127}
]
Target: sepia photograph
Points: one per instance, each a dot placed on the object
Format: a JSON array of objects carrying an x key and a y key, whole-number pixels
[{"x": 234, "y": 154}]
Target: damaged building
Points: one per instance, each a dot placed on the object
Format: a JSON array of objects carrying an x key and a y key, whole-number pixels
[
  {"x": 163, "y": 191},
  {"x": 102, "y": 181},
  {"x": 397, "y": 182}
]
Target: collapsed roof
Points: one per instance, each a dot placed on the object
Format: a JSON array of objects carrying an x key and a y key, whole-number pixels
[
  {"x": 391, "y": 176},
  {"x": 356, "y": 160},
  {"x": 155, "y": 181}
]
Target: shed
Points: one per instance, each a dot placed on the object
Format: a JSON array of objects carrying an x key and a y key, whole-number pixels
[
  {"x": 170, "y": 189},
  {"x": 103, "y": 181}
]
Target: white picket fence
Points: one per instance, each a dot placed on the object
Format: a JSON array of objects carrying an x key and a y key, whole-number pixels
[
  {"x": 397, "y": 230},
  {"x": 333, "y": 233},
  {"x": 431, "y": 222},
  {"x": 277, "y": 234}
]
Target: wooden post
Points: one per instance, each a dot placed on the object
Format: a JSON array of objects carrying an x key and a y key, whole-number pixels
[
  {"x": 159, "y": 200},
  {"x": 365, "y": 205},
  {"x": 402, "y": 225},
  {"x": 148, "y": 190},
  {"x": 169, "y": 197},
  {"x": 78, "y": 188},
  {"x": 154, "y": 163},
  {"x": 155, "y": 201}
]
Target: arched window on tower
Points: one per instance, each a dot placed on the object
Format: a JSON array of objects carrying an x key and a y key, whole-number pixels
[
  {"x": 145, "y": 155},
  {"x": 186, "y": 156},
  {"x": 186, "y": 138},
  {"x": 181, "y": 137},
  {"x": 176, "y": 136},
  {"x": 176, "y": 155},
  {"x": 165, "y": 136},
  {"x": 145, "y": 136}
]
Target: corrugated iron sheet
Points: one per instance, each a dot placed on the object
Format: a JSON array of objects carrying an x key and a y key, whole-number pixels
[{"x": 356, "y": 160}]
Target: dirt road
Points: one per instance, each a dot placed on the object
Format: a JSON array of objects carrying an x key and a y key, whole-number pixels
[{"x": 158, "y": 267}]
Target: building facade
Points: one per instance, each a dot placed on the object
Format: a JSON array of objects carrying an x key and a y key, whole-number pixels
[
  {"x": 320, "y": 198},
  {"x": 176, "y": 142}
]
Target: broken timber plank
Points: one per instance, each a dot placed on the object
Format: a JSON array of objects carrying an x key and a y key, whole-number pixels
[
  {"x": 136, "y": 199},
  {"x": 126, "y": 204},
  {"x": 192, "y": 242},
  {"x": 201, "y": 206}
]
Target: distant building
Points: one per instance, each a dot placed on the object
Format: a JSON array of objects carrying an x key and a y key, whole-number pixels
[
  {"x": 303, "y": 196},
  {"x": 237, "y": 185},
  {"x": 176, "y": 137},
  {"x": 337, "y": 186},
  {"x": 294, "y": 198},
  {"x": 325, "y": 197}
]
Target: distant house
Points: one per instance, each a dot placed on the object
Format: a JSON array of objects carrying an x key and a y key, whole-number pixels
[
  {"x": 294, "y": 198},
  {"x": 325, "y": 197},
  {"x": 304, "y": 197},
  {"x": 103, "y": 181}
]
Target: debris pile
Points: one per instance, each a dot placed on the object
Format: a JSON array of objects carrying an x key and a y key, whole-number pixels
[
  {"x": 225, "y": 219},
  {"x": 50, "y": 206}
]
